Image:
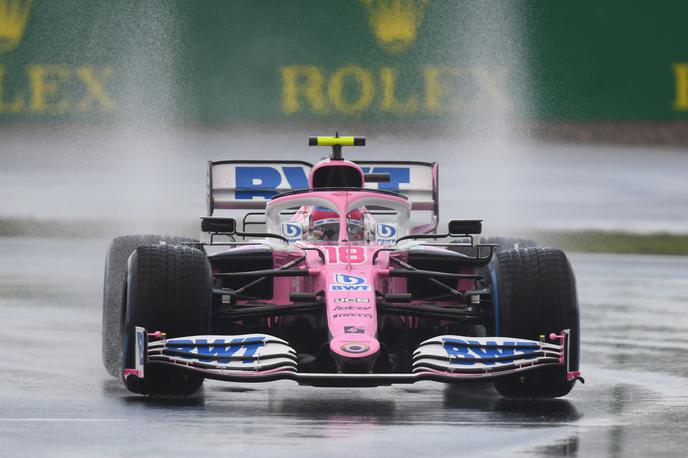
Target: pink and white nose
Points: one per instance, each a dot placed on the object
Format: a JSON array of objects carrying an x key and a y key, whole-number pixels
[
  {"x": 354, "y": 346},
  {"x": 354, "y": 353}
]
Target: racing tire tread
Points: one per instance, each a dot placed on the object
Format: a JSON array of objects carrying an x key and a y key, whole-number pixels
[
  {"x": 536, "y": 291},
  {"x": 115, "y": 274},
  {"x": 168, "y": 289}
]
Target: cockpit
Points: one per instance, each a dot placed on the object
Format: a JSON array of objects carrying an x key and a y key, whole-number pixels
[{"x": 334, "y": 216}]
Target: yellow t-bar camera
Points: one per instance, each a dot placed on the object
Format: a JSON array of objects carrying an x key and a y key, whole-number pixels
[{"x": 336, "y": 143}]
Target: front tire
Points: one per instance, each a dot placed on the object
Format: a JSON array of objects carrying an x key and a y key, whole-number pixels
[
  {"x": 113, "y": 293},
  {"x": 168, "y": 289},
  {"x": 533, "y": 294}
]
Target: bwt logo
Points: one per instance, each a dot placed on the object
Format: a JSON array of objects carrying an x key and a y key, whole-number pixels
[
  {"x": 386, "y": 231},
  {"x": 462, "y": 353},
  {"x": 292, "y": 231},
  {"x": 264, "y": 182},
  {"x": 350, "y": 283},
  {"x": 344, "y": 279},
  {"x": 197, "y": 348}
]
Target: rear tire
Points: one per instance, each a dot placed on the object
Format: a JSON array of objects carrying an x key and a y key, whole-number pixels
[
  {"x": 113, "y": 293},
  {"x": 534, "y": 293},
  {"x": 168, "y": 289}
]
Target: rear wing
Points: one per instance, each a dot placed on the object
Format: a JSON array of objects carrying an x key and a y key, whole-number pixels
[
  {"x": 418, "y": 181},
  {"x": 248, "y": 185}
]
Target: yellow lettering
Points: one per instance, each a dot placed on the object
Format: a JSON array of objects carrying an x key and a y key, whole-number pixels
[
  {"x": 388, "y": 78},
  {"x": 14, "y": 106},
  {"x": 352, "y": 90},
  {"x": 440, "y": 87},
  {"x": 46, "y": 82},
  {"x": 95, "y": 84},
  {"x": 302, "y": 81},
  {"x": 365, "y": 88},
  {"x": 681, "y": 95},
  {"x": 491, "y": 93}
]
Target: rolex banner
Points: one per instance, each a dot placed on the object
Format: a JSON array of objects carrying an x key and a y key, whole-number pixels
[{"x": 386, "y": 61}]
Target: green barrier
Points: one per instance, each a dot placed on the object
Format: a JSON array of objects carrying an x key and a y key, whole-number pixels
[{"x": 213, "y": 61}]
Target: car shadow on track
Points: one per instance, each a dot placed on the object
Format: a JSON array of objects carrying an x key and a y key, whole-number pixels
[
  {"x": 334, "y": 406},
  {"x": 115, "y": 388},
  {"x": 485, "y": 397}
]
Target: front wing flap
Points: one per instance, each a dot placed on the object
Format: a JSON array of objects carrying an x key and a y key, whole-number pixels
[
  {"x": 476, "y": 355},
  {"x": 243, "y": 353},
  {"x": 262, "y": 358}
]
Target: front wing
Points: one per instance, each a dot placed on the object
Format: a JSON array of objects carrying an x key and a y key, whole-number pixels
[{"x": 264, "y": 358}]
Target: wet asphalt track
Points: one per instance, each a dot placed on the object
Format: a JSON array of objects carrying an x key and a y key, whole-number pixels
[{"x": 57, "y": 400}]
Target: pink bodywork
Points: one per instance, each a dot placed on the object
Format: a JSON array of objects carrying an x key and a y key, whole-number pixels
[
  {"x": 350, "y": 308},
  {"x": 348, "y": 275}
]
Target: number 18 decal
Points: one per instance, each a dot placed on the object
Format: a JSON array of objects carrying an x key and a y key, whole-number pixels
[{"x": 345, "y": 255}]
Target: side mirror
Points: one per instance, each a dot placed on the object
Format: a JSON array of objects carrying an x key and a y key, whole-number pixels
[
  {"x": 465, "y": 226},
  {"x": 218, "y": 225}
]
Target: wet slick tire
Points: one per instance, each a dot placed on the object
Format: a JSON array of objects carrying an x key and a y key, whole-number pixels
[
  {"x": 113, "y": 293},
  {"x": 168, "y": 289},
  {"x": 534, "y": 293}
]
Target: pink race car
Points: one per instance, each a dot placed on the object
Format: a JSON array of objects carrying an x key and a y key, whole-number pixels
[{"x": 346, "y": 283}]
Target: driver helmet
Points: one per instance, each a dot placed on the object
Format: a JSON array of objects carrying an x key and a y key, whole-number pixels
[
  {"x": 355, "y": 226},
  {"x": 324, "y": 224}
]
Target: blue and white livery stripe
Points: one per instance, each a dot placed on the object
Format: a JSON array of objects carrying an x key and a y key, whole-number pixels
[
  {"x": 250, "y": 184},
  {"x": 470, "y": 354},
  {"x": 241, "y": 352}
]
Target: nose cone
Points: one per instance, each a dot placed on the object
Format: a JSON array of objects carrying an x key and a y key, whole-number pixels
[
  {"x": 355, "y": 346},
  {"x": 354, "y": 353}
]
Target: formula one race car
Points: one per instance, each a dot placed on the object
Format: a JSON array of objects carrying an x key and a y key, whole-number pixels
[{"x": 343, "y": 286}]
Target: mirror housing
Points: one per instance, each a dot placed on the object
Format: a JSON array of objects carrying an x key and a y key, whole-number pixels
[
  {"x": 218, "y": 225},
  {"x": 465, "y": 226}
]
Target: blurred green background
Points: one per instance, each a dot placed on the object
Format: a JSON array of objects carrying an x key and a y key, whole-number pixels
[{"x": 214, "y": 62}]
